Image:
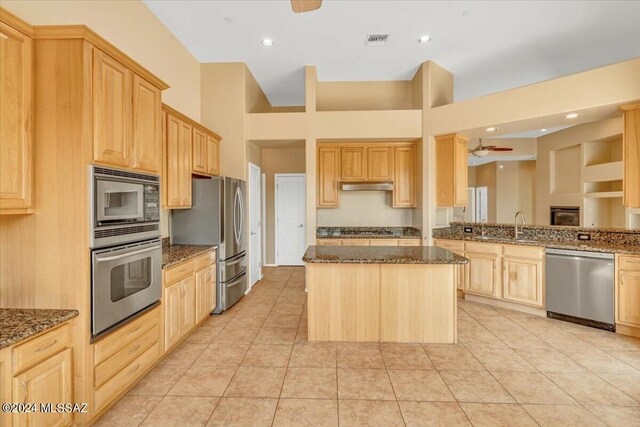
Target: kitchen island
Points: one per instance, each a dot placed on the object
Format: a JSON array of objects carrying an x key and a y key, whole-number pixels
[{"x": 381, "y": 294}]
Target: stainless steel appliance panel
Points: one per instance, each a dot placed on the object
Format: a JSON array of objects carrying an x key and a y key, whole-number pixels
[
  {"x": 125, "y": 280},
  {"x": 232, "y": 267},
  {"x": 580, "y": 284},
  {"x": 232, "y": 291}
]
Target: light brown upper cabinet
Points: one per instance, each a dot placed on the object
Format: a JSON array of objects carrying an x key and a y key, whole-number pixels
[
  {"x": 379, "y": 163},
  {"x": 328, "y": 176},
  {"x": 147, "y": 126},
  {"x": 199, "y": 159},
  {"x": 631, "y": 155},
  {"x": 112, "y": 106},
  {"x": 451, "y": 170},
  {"x": 353, "y": 163},
  {"x": 177, "y": 164},
  {"x": 404, "y": 176},
  {"x": 16, "y": 116},
  {"x": 213, "y": 155},
  {"x": 127, "y": 129},
  {"x": 366, "y": 162}
]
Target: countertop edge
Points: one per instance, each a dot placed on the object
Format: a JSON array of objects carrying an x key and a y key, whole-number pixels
[
  {"x": 197, "y": 251},
  {"x": 40, "y": 327},
  {"x": 551, "y": 245}
]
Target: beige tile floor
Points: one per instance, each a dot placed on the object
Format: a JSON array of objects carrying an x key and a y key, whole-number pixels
[{"x": 253, "y": 366}]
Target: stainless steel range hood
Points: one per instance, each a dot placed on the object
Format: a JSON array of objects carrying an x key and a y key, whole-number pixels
[{"x": 367, "y": 186}]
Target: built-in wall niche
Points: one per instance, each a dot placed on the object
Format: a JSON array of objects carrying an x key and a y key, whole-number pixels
[
  {"x": 603, "y": 189},
  {"x": 604, "y": 212},
  {"x": 565, "y": 170},
  {"x": 603, "y": 151}
]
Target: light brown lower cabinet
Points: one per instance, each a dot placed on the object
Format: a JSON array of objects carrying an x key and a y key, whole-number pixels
[
  {"x": 189, "y": 296},
  {"x": 513, "y": 273},
  {"x": 38, "y": 371},
  {"x": 458, "y": 249},
  {"x": 483, "y": 270},
  {"x": 628, "y": 293}
]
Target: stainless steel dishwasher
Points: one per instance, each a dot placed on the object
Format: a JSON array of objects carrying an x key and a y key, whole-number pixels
[{"x": 580, "y": 287}]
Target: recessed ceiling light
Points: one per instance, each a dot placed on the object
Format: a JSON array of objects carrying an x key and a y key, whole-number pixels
[
  {"x": 267, "y": 42},
  {"x": 228, "y": 19},
  {"x": 572, "y": 116},
  {"x": 424, "y": 39},
  {"x": 543, "y": 130},
  {"x": 492, "y": 129}
]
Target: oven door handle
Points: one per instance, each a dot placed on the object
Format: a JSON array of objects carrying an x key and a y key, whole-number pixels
[{"x": 128, "y": 254}]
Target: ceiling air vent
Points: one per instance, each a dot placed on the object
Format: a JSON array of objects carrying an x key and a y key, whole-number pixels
[{"x": 377, "y": 39}]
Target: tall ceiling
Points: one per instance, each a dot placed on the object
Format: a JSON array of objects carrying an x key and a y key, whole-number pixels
[{"x": 489, "y": 46}]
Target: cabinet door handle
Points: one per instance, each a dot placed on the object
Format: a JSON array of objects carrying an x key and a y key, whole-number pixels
[
  {"x": 46, "y": 346},
  {"x": 135, "y": 329},
  {"x": 24, "y": 388},
  {"x": 133, "y": 350},
  {"x": 135, "y": 368}
]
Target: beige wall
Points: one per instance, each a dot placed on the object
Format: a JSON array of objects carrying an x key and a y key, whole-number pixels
[
  {"x": 133, "y": 28},
  {"x": 365, "y": 208},
  {"x": 486, "y": 176},
  {"x": 277, "y": 160},
  {"x": 373, "y": 95},
  {"x": 515, "y": 190},
  {"x": 254, "y": 154}
]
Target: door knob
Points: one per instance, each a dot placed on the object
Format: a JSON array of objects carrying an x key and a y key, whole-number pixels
[{"x": 301, "y": 225}]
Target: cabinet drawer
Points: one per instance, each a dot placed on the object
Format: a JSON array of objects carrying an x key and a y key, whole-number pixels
[
  {"x": 383, "y": 242},
  {"x": 205, "y": 260},
  {"x": 483, "y": 248},
  {"x": 355, "y": 242},
  {"x": 125, "y": 377},
  {"x": 628, "y": 263},
  {"x": 329, "y": 242},
  {"x": 451, "y": 245},
  {"x": 409, "y": 242},
  {"x": 178, "y": 272},
  {"x": 33, "y": 351},
  {"x": 524, "y": 252},
  {"x": 108, "y": 346},
  {"x": 124, "y": 356}
]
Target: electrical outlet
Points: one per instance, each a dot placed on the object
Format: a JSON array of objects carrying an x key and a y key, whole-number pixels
[
  {"x": 468, "y": 229},
  {"x": 584, "y": 236}
]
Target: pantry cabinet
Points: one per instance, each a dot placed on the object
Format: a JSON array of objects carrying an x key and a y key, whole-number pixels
[
  {"x": 16, "y": 116},
  {"x": 451, "y": 170}
]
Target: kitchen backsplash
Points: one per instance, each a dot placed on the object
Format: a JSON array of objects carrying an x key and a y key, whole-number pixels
[{"x": 616, "y": 236}]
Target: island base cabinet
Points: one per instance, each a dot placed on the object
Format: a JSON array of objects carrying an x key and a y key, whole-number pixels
[
  {"x": 417, "y": 303},
  {"x": 344, "y": 302},
  {"x": 381, "y": 303},
  {"x": 47, "y": 382}
]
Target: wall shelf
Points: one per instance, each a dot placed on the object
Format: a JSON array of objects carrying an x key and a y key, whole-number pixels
[{"x": 603, "y": 194}]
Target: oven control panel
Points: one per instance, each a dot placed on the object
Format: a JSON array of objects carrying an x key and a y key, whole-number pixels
[{"x": 151, "y": 202}]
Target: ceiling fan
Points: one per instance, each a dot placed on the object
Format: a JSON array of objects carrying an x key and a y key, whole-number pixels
[
  {"x": 300, "y": 6},
  {"x": 483, "y": 150}
]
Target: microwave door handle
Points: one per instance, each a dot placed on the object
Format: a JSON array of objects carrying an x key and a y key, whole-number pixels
[
  {"x": 128, "y": 254},
  {"x": 107, "y": 199}
]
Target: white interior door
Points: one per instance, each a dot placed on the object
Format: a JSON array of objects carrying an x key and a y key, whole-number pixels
[
  {"x": 255, "y": 224},
  {"x": 482, "y": 196},
  {"x": 290, "y": 219}
]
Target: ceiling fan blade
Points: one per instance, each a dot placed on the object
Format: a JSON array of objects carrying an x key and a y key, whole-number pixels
[
  {"x": 488, "y": 147},
  {"x": 300, "y": 6},
  {"x": 501, "y": 149}
]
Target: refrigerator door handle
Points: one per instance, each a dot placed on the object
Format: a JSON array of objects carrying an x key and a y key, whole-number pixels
[
  {"x": 235, "y": 216},
  {"x": 241, "y": 228}
]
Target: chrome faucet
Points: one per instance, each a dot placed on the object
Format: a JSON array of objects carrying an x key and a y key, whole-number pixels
[
  {"x": 524, "y": 222},
  {"x": 482, "y": 223}
]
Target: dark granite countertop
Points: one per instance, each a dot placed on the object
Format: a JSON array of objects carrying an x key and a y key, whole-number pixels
[
  {"x": 381, "y": 255},
  {"x": 553, "y": 244},
  {"x": 368, "y": 233},
  {"x": 18, "y": 324},
  {"x": 175, "y": 254}
]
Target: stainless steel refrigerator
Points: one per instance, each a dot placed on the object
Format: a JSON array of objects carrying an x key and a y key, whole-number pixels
[{"x": 217, "y": 217}]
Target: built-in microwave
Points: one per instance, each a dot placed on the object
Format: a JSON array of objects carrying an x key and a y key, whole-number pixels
[{"x": 125, "y": 206}]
